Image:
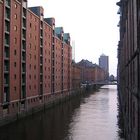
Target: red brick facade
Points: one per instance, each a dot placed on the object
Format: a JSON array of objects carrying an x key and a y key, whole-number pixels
[
  {"x": 76, "y": 76},
  {"x": 15, "y": 51},
  {"x": 66, "y": 65},
  {"x": 33, "y": 55},
  {"x": 90, "y": 72},
  {"x": 47, "y": 59},
  {"x": 58, "y": 65},
  {"x": 31, "y": 58}
]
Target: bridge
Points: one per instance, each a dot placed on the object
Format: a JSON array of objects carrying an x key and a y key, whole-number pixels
[
  {"x": 105, "y": 83},
  {"x": 100, "y": 83}
]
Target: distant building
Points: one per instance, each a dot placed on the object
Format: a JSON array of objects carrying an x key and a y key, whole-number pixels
[
  {"x": 104, "y": 63},
  {"x": 76, "y": 76},
  {"x": 91, "y": 72},
  {"x": 111, "y": 78}
]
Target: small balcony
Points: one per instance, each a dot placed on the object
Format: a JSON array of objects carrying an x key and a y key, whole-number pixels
[
  {"x": 23, "y": 92},
  {"x": 7, "y": 26},
  {"x": 24, "y": 23},
  {"x": 6, "y": 68},
  {"x": 23, "y": 56},
  {"x": 6, "y": 53},
  {"x": 23, "y": 68},
  {"x": 6, "y": 79},
  {"x": 7, "y": 3},
  {"x": 7, "y": 13},
  {"x": 7, "y": 39},
  {"x": 6, "y": 94},
  {"x": 23, "y": 45},
  {"x": 24, "y": 13},
  {"x": 23, "y": 34}
]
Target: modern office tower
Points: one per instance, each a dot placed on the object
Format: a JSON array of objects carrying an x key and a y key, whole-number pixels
[
  {"x": 104, "y": 62},
  {"x": 129, "y": 67}
]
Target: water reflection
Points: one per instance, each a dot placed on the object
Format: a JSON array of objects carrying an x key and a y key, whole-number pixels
[{"x": 93, "y": 117}]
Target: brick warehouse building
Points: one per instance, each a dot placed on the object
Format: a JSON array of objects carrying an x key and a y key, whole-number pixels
[
  {"x": 76, "y": 76},
  {"x": 129, "y": 66},
  {"x": 90, "y": 72},
  {"x": 35, "y": 57}
]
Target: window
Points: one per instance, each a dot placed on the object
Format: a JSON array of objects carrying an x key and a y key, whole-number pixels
[
  {"x": 30, "y": 35},
  {"x": 15, "y": 64},
  {"x": 30, "y": 76},
  {"x": 35, "y": 57},
  {"x": 15, "y": 5},
  {"x": 15, "y": 88},
  {"x": 15, "y": 76},
  {"x": 30, "y": 66},
  {"x": 15, "y": 52},
  {"x": 15, "y": 28},
  {"x": 30, "y": 56},
  {"x": 15, "y": 16},
  {"x": 30, "y": 87},
  {"x": 30, "y": 45},
  {"x": 30, "y": 25},
  {"x": 34, "y": 76},
  {"x": 34, "y": 66}
]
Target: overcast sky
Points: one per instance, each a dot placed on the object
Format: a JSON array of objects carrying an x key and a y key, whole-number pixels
[{"x": 92, "y": 25}]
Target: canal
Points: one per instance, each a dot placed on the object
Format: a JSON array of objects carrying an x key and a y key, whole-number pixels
[{"x": 94, "y": 116}]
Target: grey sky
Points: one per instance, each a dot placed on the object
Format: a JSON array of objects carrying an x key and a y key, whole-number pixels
[{"x": 91, "y": 23}]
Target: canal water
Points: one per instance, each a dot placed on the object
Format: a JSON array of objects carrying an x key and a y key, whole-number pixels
[{"x": 90, "y": 117}]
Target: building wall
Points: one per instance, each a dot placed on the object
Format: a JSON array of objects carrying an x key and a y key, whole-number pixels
[
  {"x": 28, "y": 58},
  {"x": 1, "y": 53},
  {"x": 76, "y": 76},
  {"x": 128, "y": 67},
  {"x": 70, "y": 67},
  {"x": 66, "y": 66},
  {"x": 47, "y": 59},
  {"x": 58, "y": 65},
  {"x": 15, "y": 51},
  {"x": 33, "y": 55}
]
